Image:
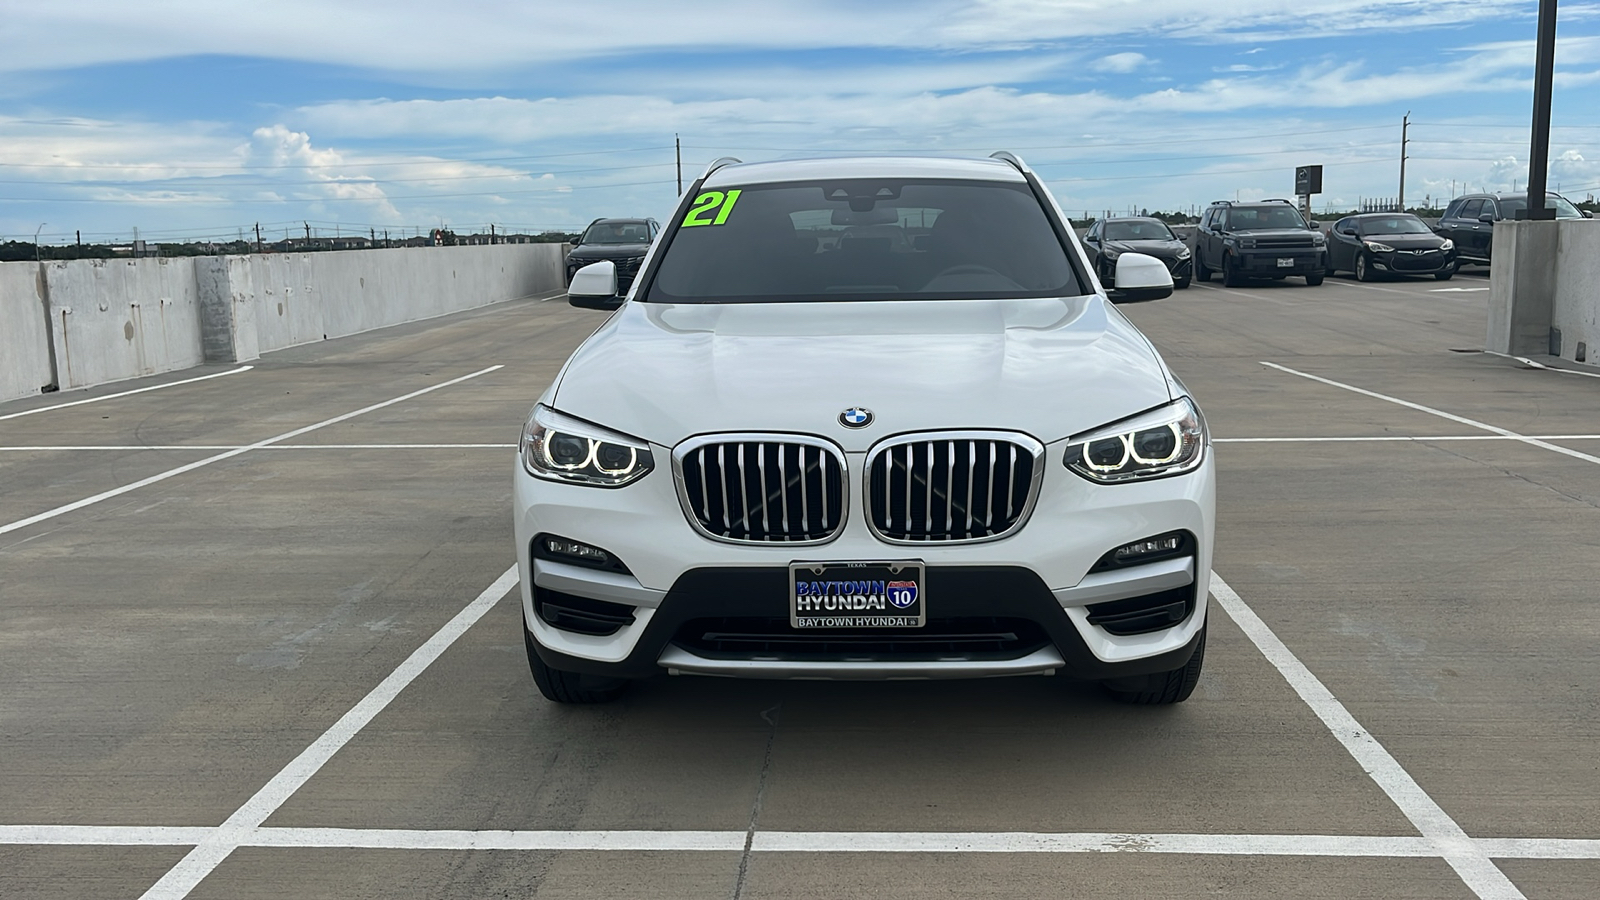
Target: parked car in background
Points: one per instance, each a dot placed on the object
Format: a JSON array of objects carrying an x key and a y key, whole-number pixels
[
  {"x": 623, "y": 241},
  {"x": 1258, "y": 239},
  {"x": 1374, "y": 244},
  {"x": 1110, "y": 238},
  {"x": 1469, "y": 220}
]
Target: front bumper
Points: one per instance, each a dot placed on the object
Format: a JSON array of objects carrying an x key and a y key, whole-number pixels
[
  {"x": 1036, "y": 580},
  {"x": 1264, "y": 263},
  {"x": 1406, "y": 262}
]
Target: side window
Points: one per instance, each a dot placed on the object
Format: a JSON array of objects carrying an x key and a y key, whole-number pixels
[
  {"x": 1209, "y": 219},
  {"x": 1094, "y": 231},
  {"x": 1488, "y": 207},
  {"x": 1345, "y": 226},
  {"x": 1472, "y": 209},
  {"x": 1454, "y": 209}
]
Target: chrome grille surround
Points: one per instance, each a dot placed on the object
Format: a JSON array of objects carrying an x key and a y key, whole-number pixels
[
  {"x": 986, "y": 456},
  {"x": 792, "y": 488}
]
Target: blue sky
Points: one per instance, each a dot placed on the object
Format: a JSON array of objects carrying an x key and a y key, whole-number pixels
[{"x": 195, "y": 120}]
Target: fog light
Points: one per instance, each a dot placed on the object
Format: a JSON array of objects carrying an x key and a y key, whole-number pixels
[
  {"x": 1150, "y": 549},
  {"x": 573, "y": 550},
  {"x": 1138, "y": 549}
]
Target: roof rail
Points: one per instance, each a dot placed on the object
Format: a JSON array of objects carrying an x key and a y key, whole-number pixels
[
  {"x": 1013, "y": 159},
  {"x": 1277, "y": 200},
  {"x": 718, "y": 163}
]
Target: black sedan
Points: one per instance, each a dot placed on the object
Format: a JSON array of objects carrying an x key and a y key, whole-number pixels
[
  {"x": 1377, "y": 244},
  {"x": 1109, "y": 238}
]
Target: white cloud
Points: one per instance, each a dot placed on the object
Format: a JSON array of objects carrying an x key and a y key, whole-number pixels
[{"x": 1120, "y": 62}]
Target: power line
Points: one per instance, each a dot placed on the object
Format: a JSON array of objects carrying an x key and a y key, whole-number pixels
[{"x": 423, "y": 162}]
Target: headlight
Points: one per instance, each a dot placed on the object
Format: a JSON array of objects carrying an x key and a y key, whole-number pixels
[
  {"x": 1246, "y": 243},
  {"x": 560, "y": 448},
  {"x": 1447, "y": 245},
  {"x": 1167, "y": 441},
  {"x": 1111, "y": 255},
  {"x": 1183, "y": 253},
  {"x": 1317, "y": 240},
  {"x": 1376, "y": 247}
]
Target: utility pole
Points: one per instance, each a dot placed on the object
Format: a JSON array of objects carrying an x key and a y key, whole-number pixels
[
  {"x": 491, "y": 233},
  {"x": 308, "y": 231},
  {"x": 1405, "y": 127},
  {"x": 1543, "y": 75},
  {"x": 258, "y": 237},
  {"x": 79, "y": 234},
  {"x": 677, "y": 147}
]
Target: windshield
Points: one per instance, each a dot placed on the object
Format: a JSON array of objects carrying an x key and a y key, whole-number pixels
[
  {"x": 864, "y": 240},
  {"x": 1510, "y": 206},
  {"x": 1138, "y": 231},
  {"x": 617, "y": 233},
  {"x": 1394, "y": 225},
  {"x": 1243, "y": 218}
]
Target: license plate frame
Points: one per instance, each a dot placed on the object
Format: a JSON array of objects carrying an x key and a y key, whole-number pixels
[
  {"x": 877, "y": 607},
  {"x": 1285, "y": 262}
]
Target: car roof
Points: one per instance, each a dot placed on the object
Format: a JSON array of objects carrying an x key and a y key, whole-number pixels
[
  {"x": 1376, "y": 215},
  {"x": 864, "y": 167},
  {"x": 1132, "y": 219}
]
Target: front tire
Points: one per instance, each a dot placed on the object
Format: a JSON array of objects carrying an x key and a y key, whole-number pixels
[
  {"x": 1364, "y": 269},
  {"x": 1201, "y": 273},
  {"x": 1314, "y": 280},
  {"x": 560, "y": 686},
  {"x": 1161, "y": 688},
  {"x": 1230, "y": 273},
  {"x": 1180, "y": 284}
]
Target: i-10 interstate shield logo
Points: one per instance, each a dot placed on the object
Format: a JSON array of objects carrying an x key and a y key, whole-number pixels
[{"x": 902, "y": 593}]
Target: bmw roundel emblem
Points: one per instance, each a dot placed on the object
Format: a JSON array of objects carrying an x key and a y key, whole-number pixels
[{"x": 856, "y": 417}]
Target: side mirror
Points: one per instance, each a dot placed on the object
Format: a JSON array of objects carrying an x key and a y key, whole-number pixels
[
  {"x": 1141, "y": 277},
  {"x": 1587, "y": 214},
  {"x": 1486, "y": 218},
  {"x": 595, "y": 286},
  {"x": 1313, "y": 225}
]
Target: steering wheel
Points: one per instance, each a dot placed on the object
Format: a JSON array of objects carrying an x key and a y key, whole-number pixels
[{"x": 969, "y": 269}]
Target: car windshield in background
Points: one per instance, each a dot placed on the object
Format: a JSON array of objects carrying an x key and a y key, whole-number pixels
[
  {"x": 617, "y": 233},
  {"x": 864, "y": 240},
  {"x": 1394, "y": 225},
  {"x": 1510, "y": 206},
  {"x": 1138, "y": 231},
  {"x": 1244, "y": 218}
]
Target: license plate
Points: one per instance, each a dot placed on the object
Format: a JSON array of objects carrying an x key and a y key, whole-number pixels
[
  {"x": 1285, "y": 263},
  {"x": 857, "y": 594}
]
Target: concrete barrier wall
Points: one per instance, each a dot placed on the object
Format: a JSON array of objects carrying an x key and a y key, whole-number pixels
[
  {"x": 84, "y": 322},
  {"x": 1544, "y": 288},
  {"x": 1576, "y": 311},
  {"x": 24, "y": 345},
  {"x": 113, "y": 319}
]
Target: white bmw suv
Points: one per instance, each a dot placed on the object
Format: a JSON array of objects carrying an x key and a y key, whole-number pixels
[{"x": 865, "y": 419}]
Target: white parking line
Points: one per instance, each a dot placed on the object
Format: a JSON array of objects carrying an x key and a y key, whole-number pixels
[
  {"x": 130, "y": 447},
  {"x": 1372, "y": 846},
  {"x": 153, "y": 387},
  {"x": 1450, "y": 842},
  {"x": 222, "y": 841},
  {"x": 1393, "y": 437},
  {"x": 162, "y": 476},
  {"x": 1493, "y": 429}
]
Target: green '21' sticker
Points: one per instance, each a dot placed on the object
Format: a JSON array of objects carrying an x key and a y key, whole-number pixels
[{"x": 709, "y": 203}]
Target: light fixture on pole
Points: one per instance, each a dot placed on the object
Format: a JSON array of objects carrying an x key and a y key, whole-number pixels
[
  {"x": 36, "y": 256},
  {"x": 1539, "y": 153}
]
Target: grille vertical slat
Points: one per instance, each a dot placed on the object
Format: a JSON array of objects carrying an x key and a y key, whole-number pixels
[
  {"x": 786, "y": 490},
  {"x": 970, "y": 486}
]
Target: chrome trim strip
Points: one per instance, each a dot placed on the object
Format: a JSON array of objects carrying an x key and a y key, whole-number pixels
[
  {"x": 596, "y": 584},
  {"x": 1133, "y": 581},
  {"x": 678, "y": 661},
  {"x": 1016, "y": 438},
  {"x": 826, "y": 450}
]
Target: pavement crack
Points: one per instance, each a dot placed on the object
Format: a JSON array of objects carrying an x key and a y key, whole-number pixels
[{"x": 770, "y": 716}]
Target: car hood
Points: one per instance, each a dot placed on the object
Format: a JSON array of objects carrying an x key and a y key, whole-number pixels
[
  {"x": 1407, "y": 241},
  {"x": 1049, "y": 368},
  {"x": 1158, "y": 249},
  {"x": 1270, "y": 232},
  {"x": 608, "y": 251}
]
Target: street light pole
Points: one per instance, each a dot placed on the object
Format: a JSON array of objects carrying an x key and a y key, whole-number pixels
[
  {"x": 1543, "y": 77},
  {"x": 36, "y": 256},
  {"x": 1405, "y": 128}
]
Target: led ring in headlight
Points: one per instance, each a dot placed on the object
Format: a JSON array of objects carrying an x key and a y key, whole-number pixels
[
  {"x": 1167, "y": 441},
  {"x": 561, "y": 448}
]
